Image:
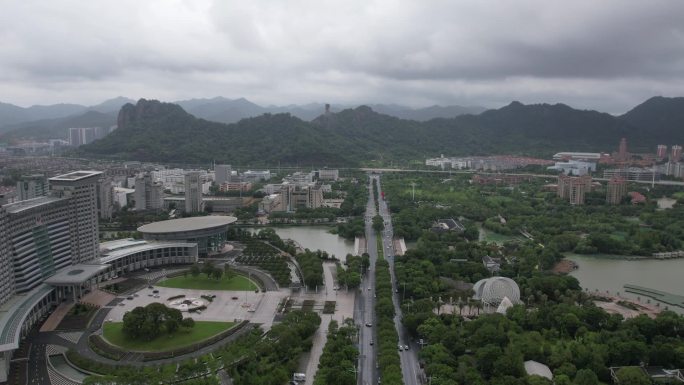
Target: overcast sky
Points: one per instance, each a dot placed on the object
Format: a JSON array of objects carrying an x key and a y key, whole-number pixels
[{"x": 608, "y": 55}]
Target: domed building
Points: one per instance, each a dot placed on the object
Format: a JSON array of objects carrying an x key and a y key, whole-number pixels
[{"x": 492, "y": 291}]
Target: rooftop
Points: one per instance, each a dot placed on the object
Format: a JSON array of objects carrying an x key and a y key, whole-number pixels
[
  {"x": 17, "y": 207},
  {"x": 76, "y": 175},
  {"x": 75, "y": 274},
  {"x": 187, "y": 224},
  {"x": 112, "y": 254}
]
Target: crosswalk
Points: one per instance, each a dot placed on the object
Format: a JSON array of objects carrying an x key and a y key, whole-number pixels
[
  {"x": 52, "y": 350},
  {"x": 72, "y": 337}
]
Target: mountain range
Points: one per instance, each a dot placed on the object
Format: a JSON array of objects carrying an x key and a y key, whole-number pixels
[
  {"x": 154, "y": 131},
  {"x": 45, "y": 122}
]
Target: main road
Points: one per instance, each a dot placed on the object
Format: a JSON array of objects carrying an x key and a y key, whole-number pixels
[
  {"x": 364, "y": 306},
  {"x": 410, "y": 367}
]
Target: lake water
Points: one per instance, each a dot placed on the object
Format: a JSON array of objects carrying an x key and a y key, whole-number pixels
[
  {"x": 611, "y": 274},
  {"x": 316, "y": 237}
]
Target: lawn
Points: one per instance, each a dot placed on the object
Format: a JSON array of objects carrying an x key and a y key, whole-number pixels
[
  {"x": 183, "y": 337},
  {"x": 201, "y": 282}
]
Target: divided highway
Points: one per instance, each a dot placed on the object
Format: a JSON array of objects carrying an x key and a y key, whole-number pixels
[
  {"x": 410, "y": 367},
  {"x": 364, "y": 307}
]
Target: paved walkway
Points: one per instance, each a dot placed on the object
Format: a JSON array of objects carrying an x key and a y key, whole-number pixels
[
  {"x": 344, "y": 309},
  {"x": 98, "y": 297},
  {"x": 56, "y": 317}
]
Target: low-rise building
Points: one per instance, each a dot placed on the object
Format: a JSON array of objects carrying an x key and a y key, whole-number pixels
[{"x": 328, "y": 174}]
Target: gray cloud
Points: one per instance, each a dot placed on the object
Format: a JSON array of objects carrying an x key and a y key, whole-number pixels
[{"x": 607, "y": 55}]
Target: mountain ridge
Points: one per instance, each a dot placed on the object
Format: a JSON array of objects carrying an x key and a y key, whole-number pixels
[{"x": 157, "y": 131}]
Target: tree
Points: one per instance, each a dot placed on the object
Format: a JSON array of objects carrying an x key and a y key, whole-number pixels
[
  {"x": 218, "y": 273},
  {"x": 632, "y": 375},
  {"x": 194, "y": 270},
  {"x": 208, "y": 269},
  {"x": 378, "y": 223},
  {"x": 586, "y": 377},
  {"x": 188, "y": 323}
]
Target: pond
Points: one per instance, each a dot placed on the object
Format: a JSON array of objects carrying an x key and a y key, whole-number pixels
[
  {"x": 314, "y": 238},
  {"x": 611, "y": 274}
]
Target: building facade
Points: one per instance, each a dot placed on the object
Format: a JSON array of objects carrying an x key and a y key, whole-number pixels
[
  {"x": 328, "y": 174},
  {"x": 32, "y": 186},
  {"x": 573, "y": 189},
  {"x": 222, "y": 173},
  {"x": 193, "y": 192},
  {"x": 615, "y": 191},
  {"x": 149, "y": 194},
  {"x": 80, "y": 190},
  {"x": 105, "y": 198}
]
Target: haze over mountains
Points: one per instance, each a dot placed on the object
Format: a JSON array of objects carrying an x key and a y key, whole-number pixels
[
  {"x": 156, "y": 131},
  {"x": 44, "y": 122}
]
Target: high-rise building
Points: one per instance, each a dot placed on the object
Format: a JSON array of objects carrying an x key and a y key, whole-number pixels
[
  {"x": 622, "y": 150},
  {"x": 49, "y": 254},
  {"x": 6, "y": 276},
  {"x": 222, "y": 173},
  {"x": 85, "y": 135},
  {"x": 104, "y": 198},
  {"x": 32, "y": 186},
  {"x": 40, "y": 231},
  {"x": 573, "y": 189},
  {"x": 80, "y": 189},
  {"x": 676, "y": 153},
  {"x": 615, "y": 191},
  {"x": 193, "y": 192},
  {"x": 661, "y": 151},
  {"x": 149, "y": 194}
]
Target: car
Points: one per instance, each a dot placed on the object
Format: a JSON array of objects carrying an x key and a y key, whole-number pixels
[
  {"x": 406, "y": 347},
  {"x": 130, "y": 297},
  {"x": 368, "y": 287},
  {"x": 150, "y": 287},
  {"x": 336, "y": 288},
  {"x": 369, "y": 324},
  {"x": 396, "y": 290},
  {"x": 371, "y": 342},
  {"x": 401, "y": 348},
  {"x": 234, "y": 298},
  {"x": 155, "y": 291}
]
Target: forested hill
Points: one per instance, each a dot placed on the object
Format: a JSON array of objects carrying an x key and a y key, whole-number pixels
[
  {"x": 155, "y": 131},
  {"x": 660, "y": 118}
]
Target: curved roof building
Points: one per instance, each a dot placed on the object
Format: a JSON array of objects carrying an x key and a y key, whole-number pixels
[
  {"x": 491, "y": 291},
  {"x": 209, "y": 232}
]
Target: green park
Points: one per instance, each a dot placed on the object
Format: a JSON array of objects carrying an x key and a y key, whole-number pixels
[
  {"x": 202, "y": 282},
  {"x": 114, "y": 334}
]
